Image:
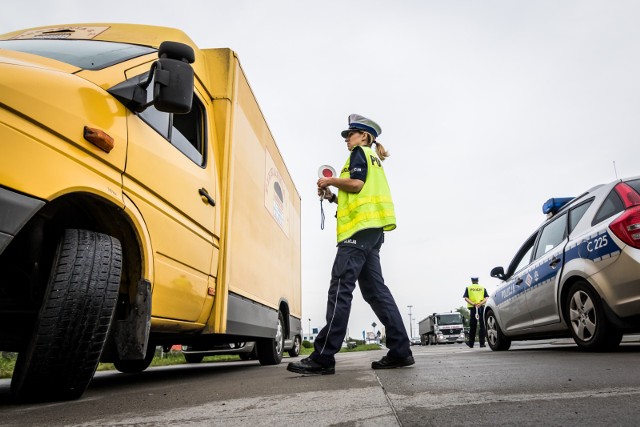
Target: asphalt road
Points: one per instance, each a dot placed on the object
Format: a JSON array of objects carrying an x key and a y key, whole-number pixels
[{"x": 533, "y": 384}]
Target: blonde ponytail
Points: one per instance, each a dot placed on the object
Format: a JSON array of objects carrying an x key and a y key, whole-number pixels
[{"x": 380, "y": 150}]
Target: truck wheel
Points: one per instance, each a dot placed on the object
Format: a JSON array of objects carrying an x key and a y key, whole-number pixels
[
  {"x": 432, "y": 340},
  {"x": 71, "y": 328},
  {"x": 586, "y": 320},
  {"x": 193, "y": 358},
  {"x": 136, "y": 366},
  {"x": 270, "y": 349},
  {"x": 495, "y": 337},
  {"x": 295, "y": 351},
  {"x": 253, "y": 355}
]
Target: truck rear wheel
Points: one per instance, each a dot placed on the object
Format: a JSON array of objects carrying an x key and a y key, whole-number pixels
[
  {"x": 193, "y": 358},
  {"x": 71, "y": 328},
  {"x": 270, "y": 349},
  {"x": 295, "y": 351}
]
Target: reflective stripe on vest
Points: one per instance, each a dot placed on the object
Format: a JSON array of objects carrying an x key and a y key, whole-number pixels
[
  {"x": 476, "y": 294},
  {"x": 372, "y": 207}
]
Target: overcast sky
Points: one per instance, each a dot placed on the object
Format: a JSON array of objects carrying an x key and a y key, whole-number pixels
[{"x": 487, "y": 107}]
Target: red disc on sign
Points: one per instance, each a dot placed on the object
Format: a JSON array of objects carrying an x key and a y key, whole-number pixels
[{"x": 326, "y": 171}]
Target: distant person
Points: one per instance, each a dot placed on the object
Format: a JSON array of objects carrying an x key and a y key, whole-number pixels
[
  {"x": 475, "y": 296},
  {"x": 365, "y": 211}
]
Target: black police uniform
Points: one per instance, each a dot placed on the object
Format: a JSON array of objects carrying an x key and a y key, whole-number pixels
[
  {"x": 358, "y": 259},
  {"x": 473, "y": 322}
]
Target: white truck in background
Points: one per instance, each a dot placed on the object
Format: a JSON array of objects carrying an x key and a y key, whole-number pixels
[{"x": 441, "y": 328}]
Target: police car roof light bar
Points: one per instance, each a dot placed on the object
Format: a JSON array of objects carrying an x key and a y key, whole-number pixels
[{"x": 553, "y": 205}]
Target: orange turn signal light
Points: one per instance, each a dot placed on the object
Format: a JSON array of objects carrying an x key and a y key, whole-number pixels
[{"x": 99, "y": 138}]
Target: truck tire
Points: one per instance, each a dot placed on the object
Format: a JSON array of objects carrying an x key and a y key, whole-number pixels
[
  {"x": 295, "y": 351},
  {"x": 496, "y": 339},
  {"x": 270, "y": 350},
  {"x": 76, "y": 312},
  {"x": 136, "y": 366},
  {"x": 587, "y": 322},
  {"x": 253, "y": 355},
  {"x": 193, "y": 358}
]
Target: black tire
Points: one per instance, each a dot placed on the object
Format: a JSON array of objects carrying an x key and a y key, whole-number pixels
[
  {"x": 432, "y": 340},
  {"x": 496, "y": 339},
  {"x": 295, "y": 351},
  {"x": 193, "y": 358},
  {"x": 253, "y": 355},
  {"x": 74, "y": 319},
  {"x": 270, "y": 350},
  {"x": 587, "y": 322},
  {"x": 136, "y": 366}
]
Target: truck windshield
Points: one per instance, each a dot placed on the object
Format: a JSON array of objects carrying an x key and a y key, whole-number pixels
[
  {"x": 85, "y": 54},
  {"x": 449, "y": 319}
]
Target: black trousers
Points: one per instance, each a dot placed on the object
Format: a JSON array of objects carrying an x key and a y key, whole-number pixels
[
  {"x": 473, "y": 323},
  {"x": 358, "y": 259}
]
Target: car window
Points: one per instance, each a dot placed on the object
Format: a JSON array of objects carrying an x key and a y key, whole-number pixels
[
  {"x": 576, "y": 214},
  {"x": 611, "y": 206},
  {"x": 551, "y": 236},
  {"x": 635, "y": 184},
  {"x": 523, "y": 257}
]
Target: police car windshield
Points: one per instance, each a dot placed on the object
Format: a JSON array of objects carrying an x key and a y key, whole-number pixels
[
  {"x": 85, "y": 54},
  {"x": 449, "y": 319}
]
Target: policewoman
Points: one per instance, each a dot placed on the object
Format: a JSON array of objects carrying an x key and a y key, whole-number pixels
[
  {"x": 475, "y": 296},
  {"x": 365, "y": 211}
]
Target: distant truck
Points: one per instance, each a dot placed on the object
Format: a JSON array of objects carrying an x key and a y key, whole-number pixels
[
  {"x": 143, "y": 203},
  {"x": 441, "y": 328}
]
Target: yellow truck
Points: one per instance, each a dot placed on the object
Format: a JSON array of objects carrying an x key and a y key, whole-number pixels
[{"x": 143, "y": 203}]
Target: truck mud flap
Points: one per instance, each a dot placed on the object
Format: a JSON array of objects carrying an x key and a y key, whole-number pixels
[{"x": 132, "y": 333}]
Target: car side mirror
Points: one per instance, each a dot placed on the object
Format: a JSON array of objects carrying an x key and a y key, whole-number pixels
[
  {"x": 497, "y": 272},
  {"x": 173, "y": 79}
]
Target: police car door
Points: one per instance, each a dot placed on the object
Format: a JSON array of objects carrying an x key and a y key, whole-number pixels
[
  {"x": 542, "y": 280},
  {"x": 510, "y": 300}
]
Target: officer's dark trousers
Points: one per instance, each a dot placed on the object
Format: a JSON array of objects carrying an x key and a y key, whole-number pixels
[
  {"x": 473, "y": 323},
  {"x": 361, "y": 262}
]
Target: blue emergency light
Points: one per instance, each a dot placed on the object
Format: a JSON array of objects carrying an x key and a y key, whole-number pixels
[{"x": 553, "y": 205}]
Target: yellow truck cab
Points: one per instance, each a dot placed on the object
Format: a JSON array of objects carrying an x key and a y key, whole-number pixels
[{"x": 143, "y": 203}]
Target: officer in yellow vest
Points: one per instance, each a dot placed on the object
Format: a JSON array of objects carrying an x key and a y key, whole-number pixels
[
  {"x": 365, "y": 211},
  {"x": 475, "y": 296}
]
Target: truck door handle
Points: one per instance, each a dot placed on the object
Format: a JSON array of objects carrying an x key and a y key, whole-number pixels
[
  {"x": 554, "y": 262},
  {"x": 204, "y": 195},
  {"x": 518, "y": 281}
]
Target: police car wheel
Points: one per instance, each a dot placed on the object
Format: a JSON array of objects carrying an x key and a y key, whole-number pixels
[
  {"x": 496, "y": 339},
  {"x": 587, "y": 323}
]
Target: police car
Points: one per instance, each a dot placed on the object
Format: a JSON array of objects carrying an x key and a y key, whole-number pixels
[{"x": 577, "y": 276}]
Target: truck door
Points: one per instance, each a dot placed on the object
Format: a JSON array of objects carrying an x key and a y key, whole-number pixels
[
  {"x": 544, "y": 277},
  {"x": 167, "y": 176}
]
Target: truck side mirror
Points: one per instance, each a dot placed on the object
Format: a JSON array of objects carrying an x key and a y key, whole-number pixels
[
  {"x": 497, "y": 272},
  {"x": 173, "y": 84}
]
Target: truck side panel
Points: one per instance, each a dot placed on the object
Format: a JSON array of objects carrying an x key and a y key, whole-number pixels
[{"x": 261, "y": 241}]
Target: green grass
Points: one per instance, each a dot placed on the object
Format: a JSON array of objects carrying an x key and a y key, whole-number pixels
[{"x": 8, "y": 360}]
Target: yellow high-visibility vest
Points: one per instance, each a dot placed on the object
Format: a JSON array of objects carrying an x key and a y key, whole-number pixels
[
  {"x": 476, "y": 294},
  {"x": 372, "y": 207}
]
